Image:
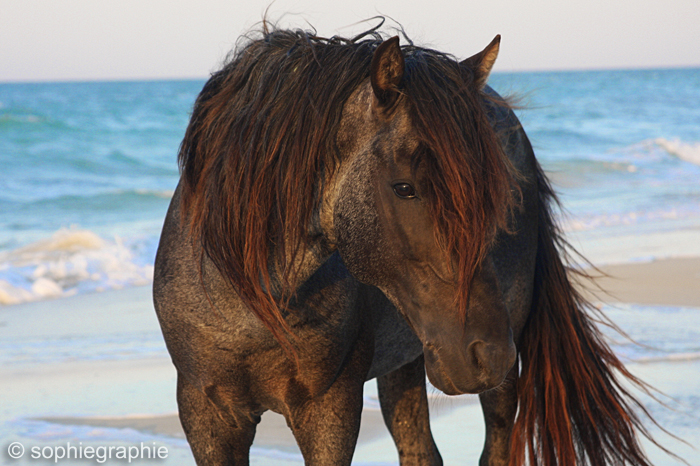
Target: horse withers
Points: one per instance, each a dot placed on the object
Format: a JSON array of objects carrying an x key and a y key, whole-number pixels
[{"x": 352, "y": 209}]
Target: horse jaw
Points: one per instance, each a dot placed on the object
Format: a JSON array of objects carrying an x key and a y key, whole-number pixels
[{"x": 467, "y": 351}]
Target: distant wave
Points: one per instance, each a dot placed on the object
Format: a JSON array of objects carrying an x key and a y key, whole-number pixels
[
  {"x": 114, "y": 162},
  {"x": 9, "y": 119},
  {"x": 662, "y": 349},
  {"x": 56, "y": 349},
  {"x": 674, "y": 357},
  {"x": 655, "y": 150},
  {"x": 26, "y": 120},
  {"x": 163, "y": 194},
  {"x": 118, "y": 199},
  {"x": 69, "y": 262},
  {"x": 591, "y": 222},
  {"x": 677, "y": 148}
]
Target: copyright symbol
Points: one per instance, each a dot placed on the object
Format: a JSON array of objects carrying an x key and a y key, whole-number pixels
[{"x": 15, "y": 450}]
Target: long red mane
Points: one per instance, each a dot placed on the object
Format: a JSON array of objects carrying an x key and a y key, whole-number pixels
[{"x": 262, "y": 136}]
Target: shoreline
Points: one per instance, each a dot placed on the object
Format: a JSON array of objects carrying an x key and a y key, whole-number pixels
[{"x": 673, "y": 281}]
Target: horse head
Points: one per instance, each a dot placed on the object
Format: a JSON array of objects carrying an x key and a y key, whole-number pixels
[{"x": 416, "y": 201}]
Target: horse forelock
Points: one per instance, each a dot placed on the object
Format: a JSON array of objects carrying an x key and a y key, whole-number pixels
[
  {"x": 262, "y": 134},
  {"x": 470, "y": 179}
]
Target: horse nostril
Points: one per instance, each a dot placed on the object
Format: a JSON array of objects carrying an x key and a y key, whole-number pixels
[
  {"x": 491, "y": 361},
  {"x": 476, "y": 355}
]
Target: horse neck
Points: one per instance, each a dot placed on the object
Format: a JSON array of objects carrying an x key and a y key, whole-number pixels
[
  {"x": 318, "y": 247},
  {"x": 309, "y": 260},
  {"x": 321, "y": 238}
]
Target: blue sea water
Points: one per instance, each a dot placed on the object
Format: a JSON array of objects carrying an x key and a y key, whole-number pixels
[
  {"x": 88, "y": 170},
  {"x": 622, "y": 147}
]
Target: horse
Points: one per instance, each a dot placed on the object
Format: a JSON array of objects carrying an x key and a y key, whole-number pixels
[{"x": 351, "y": 209}]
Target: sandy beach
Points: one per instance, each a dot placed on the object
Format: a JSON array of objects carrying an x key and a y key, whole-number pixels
[
  {"x": 670, "y": 282},
  {"x": 61, "y": 388}
]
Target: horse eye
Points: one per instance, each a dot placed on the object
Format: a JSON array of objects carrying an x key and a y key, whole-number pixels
[{"x": 404, "y": 190}]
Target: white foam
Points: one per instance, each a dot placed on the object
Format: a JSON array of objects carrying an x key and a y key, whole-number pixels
[
  {"x": 590, "y": 222},
  {"x": 68, "y": 262},
  {"x": 10, "y": 294},
  {"x": 677, "y": 148},
  {"x": 675, "y": 357},
  {"x": 163, "y": 194},
  {"x": 636, "y": 247}
]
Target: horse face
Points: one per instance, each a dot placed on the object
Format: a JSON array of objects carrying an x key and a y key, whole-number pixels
[{"x": 384, "y": 231}]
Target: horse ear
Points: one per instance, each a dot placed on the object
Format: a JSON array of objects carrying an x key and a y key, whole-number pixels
[
  {"x": 482, "y": 63},
  {"x": 386, "y": 71}
]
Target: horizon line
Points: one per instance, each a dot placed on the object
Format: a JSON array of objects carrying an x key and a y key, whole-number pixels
[{"x": 205, "y": 77}]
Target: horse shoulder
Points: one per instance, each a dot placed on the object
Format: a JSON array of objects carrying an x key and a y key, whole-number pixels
[
  {"x": 198, "y": 324},
  {"x": 218, "y": 343}
]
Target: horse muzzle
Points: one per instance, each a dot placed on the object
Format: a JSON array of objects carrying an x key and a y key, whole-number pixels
[{"x": 480, "y": 367}]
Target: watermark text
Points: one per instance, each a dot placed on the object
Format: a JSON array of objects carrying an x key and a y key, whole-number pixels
[{"x": 91, "y": 453}]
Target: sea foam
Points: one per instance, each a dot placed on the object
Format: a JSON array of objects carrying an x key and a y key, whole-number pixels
[
  {"x": 677, "y": 148},
  {"x": 68, "y": 262}
]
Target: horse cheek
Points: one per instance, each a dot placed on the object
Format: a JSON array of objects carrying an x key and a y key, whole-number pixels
[{"x": 359, "y": 240}]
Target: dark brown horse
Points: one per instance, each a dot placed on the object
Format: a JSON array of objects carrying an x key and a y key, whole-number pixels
[{"x": 352, "y": 209}]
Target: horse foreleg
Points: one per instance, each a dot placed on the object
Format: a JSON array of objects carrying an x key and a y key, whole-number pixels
[
  {"x": 404, "y": 403},
  {"x": 499, "y": 406},
  {"x": 326, "y": 426},
  {"x": 216, "y": 438}
]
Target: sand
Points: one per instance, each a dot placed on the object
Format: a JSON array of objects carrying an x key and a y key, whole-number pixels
[
  {"x": 272, "y": 432},
  {"x": 137, "y": 393},
  {"x": 670, "y": 282}
]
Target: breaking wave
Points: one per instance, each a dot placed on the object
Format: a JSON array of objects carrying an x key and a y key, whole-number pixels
[
  {"x": 69, "y": 262},
  {"x": 677, "y": 148}
]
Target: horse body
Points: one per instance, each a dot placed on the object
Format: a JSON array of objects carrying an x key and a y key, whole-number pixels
[{"x": 414, "y": 255}]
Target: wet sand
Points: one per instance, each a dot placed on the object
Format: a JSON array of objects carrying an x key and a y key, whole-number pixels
[
  {"x": 272, "y": 432},
  {"x": 670, "y": 282}
]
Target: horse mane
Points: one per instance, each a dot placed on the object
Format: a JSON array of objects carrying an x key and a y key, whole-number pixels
[{"x": 262, "y": 137}]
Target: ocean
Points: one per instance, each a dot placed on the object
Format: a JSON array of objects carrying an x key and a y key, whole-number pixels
[{"x": 88, "y": 170}]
